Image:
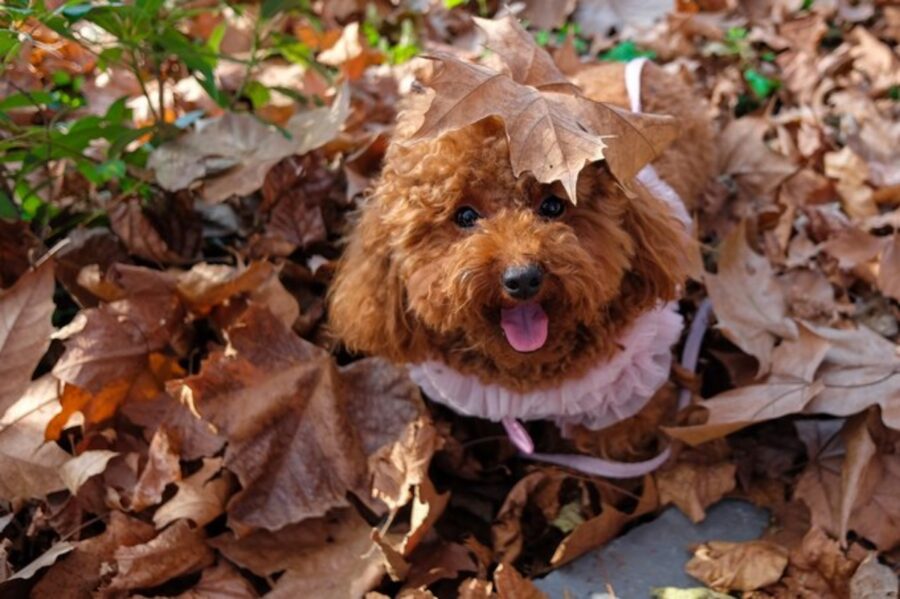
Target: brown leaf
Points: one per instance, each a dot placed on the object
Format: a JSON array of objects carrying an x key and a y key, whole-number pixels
[
  {"x": 745, "y": 566},
  {"x": 511, "y": 584},
  {"x": 221, "y": 581},
  {"x": 747, "y": 300},
  {"x": 177, "y": 551},
  {"x": 25, "y": 328},
  {"x": 162, "y": 469},
  {"x": 78, "y": 470},
  {"x": 789, "y": 390},
  {"x": 745, "y": 157},
  {"x": 297, "y": 438},
  {"x": 553, "y": 131},
  {"x": 30, "y": 466},
  {"x": 695, "y": 486},
  {"x": 547, "y": 15},
  {"x": 873, "y": 580},
  {"x": 889, "y": 269},
  {"x": 332, "y": 556},
  {"x": 80, "y": 573},
  {"x": 144, "y": 238},
  {"x": 601, "y": 529},
  {"x": 48, "y": 558},
  {"x": 17, "y": 244},
  {"x": 86, "y": 247},
  {"x": 194, "y": 437},
  {"x": 205, "y": 286},
  {"x": 200, "y": 497},
  {"x": 473, "y": 588}
]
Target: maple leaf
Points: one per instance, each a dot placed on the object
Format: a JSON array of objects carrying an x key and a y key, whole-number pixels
[
  {"x": 305, "y": 435},
  {"x": 25, "y": 327},
  {"x": 553, "y": 131}
]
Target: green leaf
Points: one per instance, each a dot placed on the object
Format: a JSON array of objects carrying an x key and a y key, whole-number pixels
[
  {"x": 569, "y": 517},
  {"x": 542, "y": 37},
  {"x": 626, "y": 51},
  {"x": 215, "y": 38},
  {"x": 736, "y": 34},
  {"x": 98, "y": 174},
  {"x": 76, "y": 11},
  {"x": 257, "y": 93},
  {"x": 894, "y": 93},
  {"x": 454, "y": 3},
  {"x": 761, "y": 86},
  {"x": 270, "y": 8},
  {"x": 36, "y": 99},
  {"x": 8, "y": 209}
]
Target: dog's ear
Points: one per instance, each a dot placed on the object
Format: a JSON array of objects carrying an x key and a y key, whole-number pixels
[
  {"x": 663, "y": 251},
  {"x": 366, "y": 300}
]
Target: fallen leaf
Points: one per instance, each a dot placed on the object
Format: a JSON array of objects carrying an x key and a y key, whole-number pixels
[
  {"x": 79, "y": 574},
  {"x": 745, "y": 157},
  {"x": 511, "y": 584},
  {"x": 695, "y": 486},
  {"x": 48, "y": 558},
  {"x": 547, "y": 15},
  {"x": 30, "y": 466},
  {"x": 600, "y": 529},
  {"x": 162, "y": 469},
  {"x": 873, "y": 580},
  {"x": 78, "y": 470},
  {"x": 748, "y": 566},
  {"x": 889, "y": 269},
  {"x": 25, "y": 328},
  {"x": 200, "y": 497},
  {"x": 599, "y": 18},
  {"x": 221, "y": 581},
  {"x": 237, "y": 150},
  {"x": 346, "y": 565},
  {"x": 473, "y": 588},
  {"x": 747, "y": 300},
  {"x": 18, "y": 247},
  {"x": 553, "y": 131},
  {"x": 297, "y": 438},
  {"x": 130, "y": 220},
  {"x": 178, "y": 550}
]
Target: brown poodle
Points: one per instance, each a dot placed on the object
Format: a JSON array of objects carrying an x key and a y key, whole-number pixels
[{"x": 455, "y": 261}]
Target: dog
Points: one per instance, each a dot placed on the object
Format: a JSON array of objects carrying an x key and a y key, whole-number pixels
[{"x": 506, "y": 300}]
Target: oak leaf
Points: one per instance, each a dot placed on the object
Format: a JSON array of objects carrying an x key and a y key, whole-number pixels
[
  {"x": 695, "y": 486},
  {"x": 553, "y": 131},
  {"x": 25, "y": 328}
]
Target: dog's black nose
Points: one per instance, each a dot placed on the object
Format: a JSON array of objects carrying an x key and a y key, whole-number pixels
[{"x": 523, "y": 282}]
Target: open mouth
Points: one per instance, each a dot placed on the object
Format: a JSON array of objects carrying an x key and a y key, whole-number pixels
[{"x": 525, "y": 326}]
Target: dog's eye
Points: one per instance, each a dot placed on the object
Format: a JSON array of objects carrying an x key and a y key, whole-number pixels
[
  {"x": 552, "y": 207},
  {"x": 466, "y": 216}
]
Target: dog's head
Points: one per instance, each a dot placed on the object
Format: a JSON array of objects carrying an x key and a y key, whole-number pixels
[{"x": 455, "y": 258}]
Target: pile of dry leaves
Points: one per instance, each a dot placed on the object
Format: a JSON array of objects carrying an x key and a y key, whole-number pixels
[{"x": 175, "y": 421}]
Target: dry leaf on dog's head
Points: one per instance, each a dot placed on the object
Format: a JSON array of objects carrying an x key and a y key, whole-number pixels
[{"x": 553, "y": 131}]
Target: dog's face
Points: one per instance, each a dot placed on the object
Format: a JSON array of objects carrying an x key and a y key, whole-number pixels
[{"x": 457, "y": 259}]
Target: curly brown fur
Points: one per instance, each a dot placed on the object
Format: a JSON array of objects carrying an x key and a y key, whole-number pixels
[{"x": 413, "y": 286}]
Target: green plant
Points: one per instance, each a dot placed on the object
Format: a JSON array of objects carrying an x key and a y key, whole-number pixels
[{"x": 145, "y": 37}]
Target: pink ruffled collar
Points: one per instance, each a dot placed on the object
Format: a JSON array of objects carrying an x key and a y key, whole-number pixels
[{"x": 609, "y": 392}]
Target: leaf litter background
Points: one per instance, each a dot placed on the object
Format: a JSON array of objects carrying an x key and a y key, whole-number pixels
[{"x": 184, "y": 426}]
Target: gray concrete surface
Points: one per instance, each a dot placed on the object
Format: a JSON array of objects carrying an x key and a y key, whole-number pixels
[{"x": 653, "y": 554}]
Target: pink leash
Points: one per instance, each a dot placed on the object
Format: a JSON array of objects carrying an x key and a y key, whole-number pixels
[{"x": 610, "y": 468}]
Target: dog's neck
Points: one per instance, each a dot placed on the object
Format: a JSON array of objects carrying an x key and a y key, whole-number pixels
[{"x": 612, "y": 390}]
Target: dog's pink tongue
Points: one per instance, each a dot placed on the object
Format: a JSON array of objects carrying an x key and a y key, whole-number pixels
[{"x": 525, "y": 326}]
